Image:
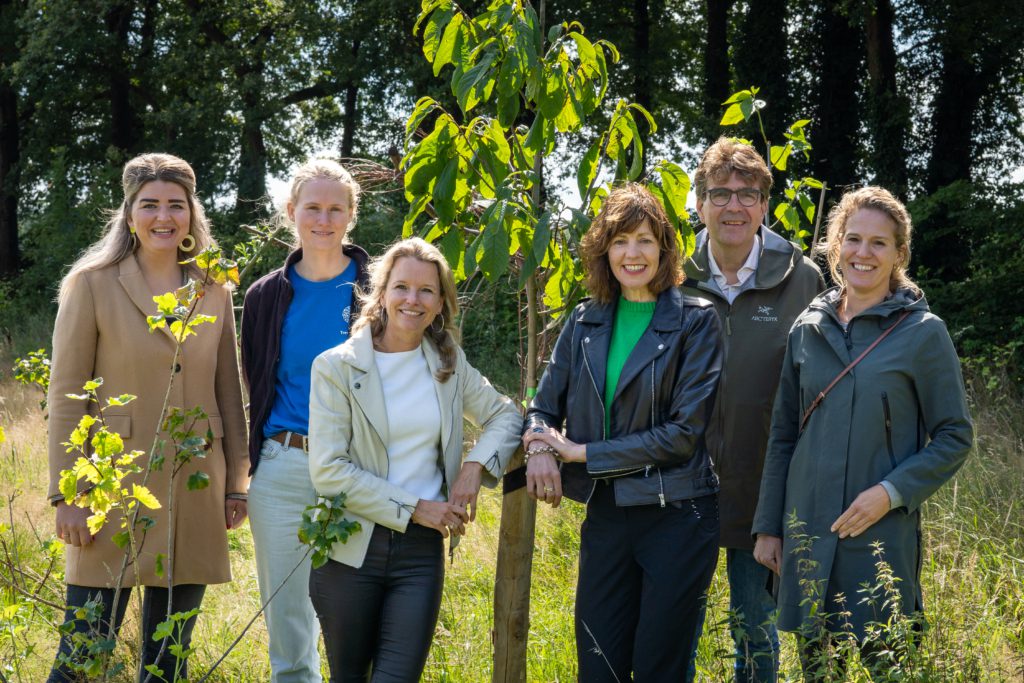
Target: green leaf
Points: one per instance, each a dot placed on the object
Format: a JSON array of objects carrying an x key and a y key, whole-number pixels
[
  {"x": 433, "y": 31},
  {"x": 788, "y": 215},
  {"x": 424, "y": 106},
  {"x": 121, "y": 539},
  {"x": 159, "y": 564},
  {"x": 453, "y": 246},
  {"x": 68, "y": 484},
  {"x": 95, "y": 522},
  {"x": 444, "y": 191},
  {"x": 493, "y": 262},
  {"x": 144, "y": 496},
  {"x": 732, "y": 115},
  {"x": 106, "y": 444},
  {"x": 675, "y": 185},
  {"x": 166, "y": 303},
  {"x": 779, "y": 155},
  {"x": 538, "y": 247},
  {"x": 198, "y": 481},
  {"x": 588, "y": 168},
  {"x": 475, "y": 85},
  {"x": 415, "y": 209},
  {"x": 447, "y": 45},
  {"x": 122, "y": 400}
]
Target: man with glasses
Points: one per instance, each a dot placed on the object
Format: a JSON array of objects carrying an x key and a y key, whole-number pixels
[{"x": 759, "y": 282}]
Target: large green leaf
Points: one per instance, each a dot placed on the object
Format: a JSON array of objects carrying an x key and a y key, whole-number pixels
[
  {"x": 475, "y": 85},
  {"x": 446, "y": 48},
  {"x": 444, "y": 192},
  {"x": 538, "y": 247},
  {"x": 433, "y": 31},
  {"x": 588, "y": 168}
]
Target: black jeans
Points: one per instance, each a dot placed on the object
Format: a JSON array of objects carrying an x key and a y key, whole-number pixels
[
  {"x": 378, "y": 620},
  {"x": 154, "y": 610},
  {"x": 643, "y": 572}
]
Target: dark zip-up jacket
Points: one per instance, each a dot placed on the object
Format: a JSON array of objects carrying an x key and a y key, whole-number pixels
[
  {"x": 755, "y": 327},
  {"x": 655, "y": 450},
  {"x": 266, "y": 303}
]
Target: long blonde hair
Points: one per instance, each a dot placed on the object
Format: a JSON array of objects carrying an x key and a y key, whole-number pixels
[
  {"x": 320, "y": 169},
  {"x": 879, "y": 199},
  {"x": 444, "y": 336},
  {"x": 117, "y": 242}
]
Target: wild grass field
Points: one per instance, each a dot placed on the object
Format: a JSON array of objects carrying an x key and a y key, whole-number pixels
[{"x": 973, "y": 576}]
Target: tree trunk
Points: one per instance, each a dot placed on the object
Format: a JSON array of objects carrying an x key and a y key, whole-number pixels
[
  {"x": 960, "y": 89},
  {"x": 836, "y": 136},
  {"x": 889, "y": 113},
  {"x": 351, "y": 121},
  {"x": 716, "y": 65},
  {"x": 760, "y": 59},
  {"x": 10, "y": 142},
  {"x": 9, "y": 191},
  {"x": 125, "y": 128}
]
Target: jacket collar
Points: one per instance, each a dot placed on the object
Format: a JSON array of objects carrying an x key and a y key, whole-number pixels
[
  {"x": 777, "y": 259},
  {"x": 668, "y": 312},
  {"x": 353, "y": 251},
  {"x": 129, "y": 274},
  {"x": 359, "y": 353}
]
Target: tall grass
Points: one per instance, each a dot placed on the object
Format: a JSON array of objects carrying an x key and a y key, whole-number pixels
[{"x": 973, "y": 576}]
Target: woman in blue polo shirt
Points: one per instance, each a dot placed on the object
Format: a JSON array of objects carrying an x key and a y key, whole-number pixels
[{"x": 290, "y": 316}]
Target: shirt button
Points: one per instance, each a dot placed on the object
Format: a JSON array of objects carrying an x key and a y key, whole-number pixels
[
  {"x": 661, "y": 346},
  {"x": 586, "y": 340},
  {"x": 177, "y": 367},
  {"x": 356, "y": 385}
]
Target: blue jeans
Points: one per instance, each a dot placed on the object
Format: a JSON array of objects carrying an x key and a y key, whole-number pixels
[
  {"x": 755, "y": 637},
  {"x": 278, "y": 495}
]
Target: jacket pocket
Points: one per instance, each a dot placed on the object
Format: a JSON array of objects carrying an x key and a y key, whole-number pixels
[
  {"x": 121, "y": 424},
  {"x": 888, "y": 429}
]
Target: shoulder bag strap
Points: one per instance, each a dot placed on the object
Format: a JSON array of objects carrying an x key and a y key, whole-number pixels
[{"x": 821, "y": 395}]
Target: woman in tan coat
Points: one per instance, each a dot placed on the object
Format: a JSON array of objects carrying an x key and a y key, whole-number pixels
[{"x": 101, "y": 331}]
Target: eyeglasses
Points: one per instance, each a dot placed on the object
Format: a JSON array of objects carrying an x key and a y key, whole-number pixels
[{"x": 721, "y": 196}]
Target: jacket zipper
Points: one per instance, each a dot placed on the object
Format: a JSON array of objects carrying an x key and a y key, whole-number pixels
[
  {"x": 888, "y": 429},
  {"x": 604, "y": 428}
]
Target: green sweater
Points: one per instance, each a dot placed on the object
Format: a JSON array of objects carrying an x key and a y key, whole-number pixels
[{"x": 631, "y": 319}]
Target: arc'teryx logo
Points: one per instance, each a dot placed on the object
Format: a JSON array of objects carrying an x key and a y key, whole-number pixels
[{"x": 765, "y": 315}]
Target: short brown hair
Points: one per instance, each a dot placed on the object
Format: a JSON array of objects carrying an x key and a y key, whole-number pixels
[
  {"x": 728, "y": 156},
  {"x": 878, "y": 199},
  {"x": 623, "y": 211}
]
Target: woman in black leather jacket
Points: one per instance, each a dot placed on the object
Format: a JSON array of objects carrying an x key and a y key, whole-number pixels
[{"x": 632, "y": 378}]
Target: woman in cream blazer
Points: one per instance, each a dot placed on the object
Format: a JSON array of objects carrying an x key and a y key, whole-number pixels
[{"x": 386, "y": 411}]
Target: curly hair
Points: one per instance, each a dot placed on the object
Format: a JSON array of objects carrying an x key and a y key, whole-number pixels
[
  {"x": 879, "y": 199},
  {"x": 444, "y": 337},
  {"x": 727, "y": 156},
  {"x": 623, "y": 211}
]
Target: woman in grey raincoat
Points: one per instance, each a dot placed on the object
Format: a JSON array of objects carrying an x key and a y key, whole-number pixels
[{"x": 887, "y": 436}]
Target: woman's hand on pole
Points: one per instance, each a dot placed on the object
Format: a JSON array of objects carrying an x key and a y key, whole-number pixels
[
  {"x": 768, "y": 551},
  {"x": 444, "y": 516},
  {"x": 568, "y": 451},
  {"x": 866, "y": 509}
]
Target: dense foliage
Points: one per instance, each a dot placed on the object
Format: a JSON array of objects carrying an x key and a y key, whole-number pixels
[{"x": 923, "y": 96}]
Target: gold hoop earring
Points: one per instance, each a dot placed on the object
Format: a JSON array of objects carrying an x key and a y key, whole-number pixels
[{"x": 191, "y": 242}]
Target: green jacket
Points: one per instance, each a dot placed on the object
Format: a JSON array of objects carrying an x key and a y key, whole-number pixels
[
  {"x": 900, "y": 415},
  {"x": 754, "y": 331}
]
